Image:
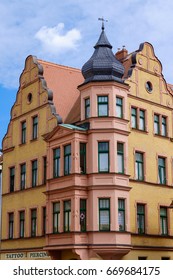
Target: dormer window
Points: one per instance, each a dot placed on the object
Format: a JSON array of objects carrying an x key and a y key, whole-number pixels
[{"x": 102, "y": 102}]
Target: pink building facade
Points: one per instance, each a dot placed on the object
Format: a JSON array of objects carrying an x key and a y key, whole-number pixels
[{"x": 87, "y": 195}]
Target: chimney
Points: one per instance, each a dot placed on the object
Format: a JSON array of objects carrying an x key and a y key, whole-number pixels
[{"x": 121, "y": 54}]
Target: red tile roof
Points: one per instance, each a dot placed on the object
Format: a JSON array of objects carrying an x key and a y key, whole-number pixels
[{"x": 63, "y": 81}]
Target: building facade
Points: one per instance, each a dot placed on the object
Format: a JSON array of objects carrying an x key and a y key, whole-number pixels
[
  {"x": 87, "y": 163},
  {"x": 150, "y": 105},
  {"x": 24, "y": 153}
]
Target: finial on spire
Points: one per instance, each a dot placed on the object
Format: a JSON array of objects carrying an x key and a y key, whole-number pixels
[{"x": 102, "y": 19}]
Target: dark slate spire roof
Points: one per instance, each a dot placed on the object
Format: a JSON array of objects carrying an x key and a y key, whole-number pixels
[{"x": 103, "y": 65}]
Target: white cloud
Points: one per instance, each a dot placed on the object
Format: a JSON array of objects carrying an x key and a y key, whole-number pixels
[{"x": 54, "y": 39}]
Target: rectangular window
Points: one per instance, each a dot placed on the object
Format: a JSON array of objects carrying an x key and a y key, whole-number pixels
[
  {"x": 139, "y": 166},
  {"x": 35, "y": 127},
  {"x": 34, "y": 173},
  {"x": 156, "y": 124},
  {"x": 56, "y": 162},
  {"x": 134, "y": 117},
  {"x": 163, "y": 221},
  {"x": 87, "y": 108},
  {"x": 141, "y": 218},
  {"x": 44, "y": 169},
  {"x": 83, "y": 214},
  {"x": 56, "y": 217},
  {"x": 33, "y": 222},
  {"x": 138, "y": 118},
  {"x": 12, "y": 178},
  {"x": 120, "y": 157},
  {"x": 102, "y": 106},
  {"x": 104, "y": 214},
  {"x": 67, "y": 160},
  {"x": 121, "y": 214},
  {"x": 44, "y": 220},
  {"x": 103, "y": 156},
  {"x": 164, "y": 127},
  {"x": 23, "y": 132},
  {"x": 160, "y": 125},
  {"x": 22, "y": 224},
  {"x": 67, "y": 215},
  {"x": 162, "y": 170},
  {"x": 23, "y": 176},
  {"x": 11, "y": 225},
  {"x": 119, "y": 107},
  {"x": 83, "y": 158},
  {"x": 141, "y": 119}
]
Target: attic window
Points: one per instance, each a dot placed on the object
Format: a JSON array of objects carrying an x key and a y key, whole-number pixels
[
  {"x": 29, "y": 98},
  {"x": 149, "y": 86}
]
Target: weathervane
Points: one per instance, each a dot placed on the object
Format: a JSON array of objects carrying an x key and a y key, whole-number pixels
[{"x": 102, "y": 19}]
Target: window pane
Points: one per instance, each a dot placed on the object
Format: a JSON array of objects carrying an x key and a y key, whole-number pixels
[
  {"x": 121, "y": 214},
  {"x": 139, "y": 166},
  {"x": 120, "y": 157},
  {"x": 67, "y": 205},
  {"x": 67, "y": 160},
  {"x": 56, "y": 162},
  {"x": 103, "y": 156},
  {"x": 104, "y": 220},
  {"x": 104, "y": 163},
  {"x": 162, "y": 170},
  {"x": 34, "y": 173},
  {"x": 134, "y": 117},
  {"x": 164, "y": 129},
  {"x": 12, "y": 178},
  {"x": 141, "y": 218},
  {"x": 142, "y": 119},
  {"x": 104, "y": 214},
  {"x": 82, "y": 157},
  {"x": 67, "y": 215},
  {"x": 83, "y": 214},
  {"x": 103, "y": 146},
  {"x": 23, "y": 176},
  {"x": 11, "y": 222},
  {"x": 119, "y": 107},
  {"x": 104, "y": 203},
  {"x": 156, "y": 124},
  {"x": 102, "y": 105},
  {"x": 33, "y": 222},
  {"x": 163, "y": 220},
  {"x": 35, "y": 127},
  {"x": 23, "y": 136},
  {"x": 87, "y": 108}
]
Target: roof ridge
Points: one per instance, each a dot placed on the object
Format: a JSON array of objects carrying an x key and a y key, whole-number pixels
[{"x": 59, "y": 65}]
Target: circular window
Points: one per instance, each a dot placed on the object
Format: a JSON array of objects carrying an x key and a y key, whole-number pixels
[
  {"x": 29, "y": 97},
  {"x": 149, "y": 86}
]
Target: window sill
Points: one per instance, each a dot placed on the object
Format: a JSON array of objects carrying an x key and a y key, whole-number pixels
[
  {"x": 162, "y": 136},
  {"x": 33, "y": 140},
  {"x": 139, "y": 130},
  {"x": 22, "y": 144}
]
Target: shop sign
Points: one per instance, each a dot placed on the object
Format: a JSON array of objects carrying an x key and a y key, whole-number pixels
[
  {"x": 15, "y": 256},
  {"x": 38, "y": 255}
]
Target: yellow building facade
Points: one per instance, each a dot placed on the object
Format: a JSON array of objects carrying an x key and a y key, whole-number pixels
[
  {"x": 24, "y": 176},
  {"x": 150, "y": 104}
]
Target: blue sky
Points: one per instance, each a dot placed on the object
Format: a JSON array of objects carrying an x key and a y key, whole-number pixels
[{"x": 65, "y": 32}]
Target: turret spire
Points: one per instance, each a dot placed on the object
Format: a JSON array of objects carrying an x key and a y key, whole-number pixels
[{"x": 103, "y": 65}]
